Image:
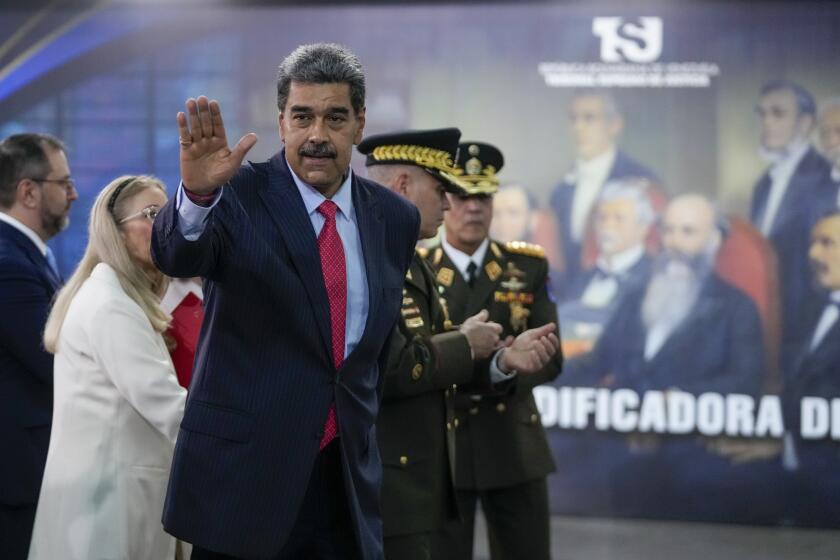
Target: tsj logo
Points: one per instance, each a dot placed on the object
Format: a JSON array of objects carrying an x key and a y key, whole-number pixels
[
  {"x": 629, "y": 41},
  {"x": 631, "y": 52}
]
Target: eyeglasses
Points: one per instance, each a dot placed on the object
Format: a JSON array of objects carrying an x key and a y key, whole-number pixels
[
  {"x": 150, "y": 213},
  {"x": 68, "y": 184}
]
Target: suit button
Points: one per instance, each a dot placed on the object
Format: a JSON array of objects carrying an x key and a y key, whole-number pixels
[
  {"x": 456, "y": 422},
  {"x": 449, "y": 426},
  {"x": 474, "y": 410},
  {"x": 403, "y": 460},
  {"x": 417, "y": 371},
  {"x": 501, "y": 407},
  {"x": 534, "y": 418}
]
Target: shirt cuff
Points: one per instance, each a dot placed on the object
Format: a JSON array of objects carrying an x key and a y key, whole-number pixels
[
  {"x": 496, "y": 373},
  {"x": 192, "y": 217}
]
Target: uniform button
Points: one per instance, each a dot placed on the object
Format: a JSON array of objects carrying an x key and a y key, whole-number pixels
[
  {"x": 454, "y": 387},
  {"x": 449, "y": 426},
  {"x": 403, "y": 460},
  {"x": 474, "y": 410},
  {"x": 417, "y": 371},
  {"x": 501, "y": 407},
  {"x": 534, "y": 418},
  {"x": 446, "y": 393},
  {"x": 456, "y": 422}
]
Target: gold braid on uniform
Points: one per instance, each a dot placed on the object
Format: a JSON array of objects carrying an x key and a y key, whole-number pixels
[
  {"x": 485, "y": 183},
  {"x": 528, "y": 249},
  {"x": 420, "y": 155}
]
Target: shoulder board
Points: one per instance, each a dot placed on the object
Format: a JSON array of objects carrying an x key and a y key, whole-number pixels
[
  {"x": 422, "y": 251},
  {"x": 527, "y": 249}
]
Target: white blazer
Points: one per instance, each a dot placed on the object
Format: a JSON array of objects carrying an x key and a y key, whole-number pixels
[{"x": 116, "y": 414}]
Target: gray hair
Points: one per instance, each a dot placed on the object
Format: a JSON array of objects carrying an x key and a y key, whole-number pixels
[
  {"x": 611, "y": 107},
  {"x": 635, "y": 190},
  {"x": 322, "y": 63},
  {"x": 24, "y": 156}
]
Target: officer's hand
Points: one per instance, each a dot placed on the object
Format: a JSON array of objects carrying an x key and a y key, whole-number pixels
[
  {"x": 531, "y": 350},
  {"x": 206, "y": 161},
  {"x": 482, "y": 335}
]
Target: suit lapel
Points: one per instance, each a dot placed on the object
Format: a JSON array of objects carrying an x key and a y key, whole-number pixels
[{"x": 286, "y": 208}]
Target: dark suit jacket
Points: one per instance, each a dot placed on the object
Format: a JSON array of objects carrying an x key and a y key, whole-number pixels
[
  {"x": 561, "y": 203},
  {"x": 718, "y": 347},
  {"x": 264, "y": 377},
  {"x": 809, "y": 193},
  {"x": 814, "y": 373},
  {"x": 27, "y": 286},
  {"x": 499, "y": 439},
  {"x": 415, "y": 425}
]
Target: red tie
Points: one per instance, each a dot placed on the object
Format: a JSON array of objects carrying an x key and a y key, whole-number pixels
[{"x": 335, "y": 279}]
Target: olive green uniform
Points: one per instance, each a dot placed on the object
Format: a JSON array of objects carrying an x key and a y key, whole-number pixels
[
  {"x": 502, "y": 454},
  {"x": 416, "y": 422}
]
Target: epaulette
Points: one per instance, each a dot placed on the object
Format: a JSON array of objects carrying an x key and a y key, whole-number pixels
[
  {"x": 422, "y": 251},
  {"x": 528, "y": 249}
]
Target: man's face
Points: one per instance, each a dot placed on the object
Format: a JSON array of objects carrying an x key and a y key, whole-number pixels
[
  {"x": 56, "y": 197},
  {"x": 688, "y": 226},
  {"x": 830, "y": 135},
  {"x": 319, "y": 128},
  {"x": 780, "y": 120},
  {"x": 594, "y": 131},
  {"x": 825, "y": 253},
  {"x": 427, "y": 194},
  {"x": 511, "y": 215},
  {"x": 618, "y": 226},
  {"x": 468, "y": 220}
]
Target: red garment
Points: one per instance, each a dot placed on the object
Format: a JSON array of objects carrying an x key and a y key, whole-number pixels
[
  {"x": 335, "y": 279},
  {"x": 186, "y": 324}
]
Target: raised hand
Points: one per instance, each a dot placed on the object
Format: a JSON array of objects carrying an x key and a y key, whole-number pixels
[
  {"x": 482, "y": 335},
  {"x": 206, "y": 161},
  {"x": 532, "y": 350}
]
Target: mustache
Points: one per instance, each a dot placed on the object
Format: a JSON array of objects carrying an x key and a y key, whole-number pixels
[{"x": 317, "y": 150}]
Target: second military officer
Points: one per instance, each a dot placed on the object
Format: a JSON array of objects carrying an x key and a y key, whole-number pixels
[{"x": 502, "y": 454}]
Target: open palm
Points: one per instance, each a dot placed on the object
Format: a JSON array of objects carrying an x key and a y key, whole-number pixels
[{"x": 206, "y": 160}]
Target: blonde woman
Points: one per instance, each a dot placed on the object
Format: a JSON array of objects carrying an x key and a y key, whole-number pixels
[{"x": 117, "y": 401}]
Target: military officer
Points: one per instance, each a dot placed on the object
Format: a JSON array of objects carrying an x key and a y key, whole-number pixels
[
  {"x": 429, "y": 356},
  {"x": 502, "y": 454}
]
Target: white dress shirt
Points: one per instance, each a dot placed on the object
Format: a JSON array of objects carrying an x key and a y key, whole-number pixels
[{"x": 462, "y": 261}]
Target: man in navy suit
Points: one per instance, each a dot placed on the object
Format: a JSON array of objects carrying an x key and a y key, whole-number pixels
[
  {"x": 623, "y": 217},
  {"x": 596, "y": 124},
  {"x": 792, "y": 193},
  {"x": 814, "y": 491},
  {"x": 36, "y": 193},
  {"x": 303, "y": 265}
]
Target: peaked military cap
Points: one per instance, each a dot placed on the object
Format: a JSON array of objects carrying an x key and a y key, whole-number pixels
[
  {"x": 477, "y": 165},
  {"x": 433, "y": 150}
]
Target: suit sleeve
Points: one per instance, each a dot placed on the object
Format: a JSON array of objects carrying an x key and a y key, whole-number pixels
[
  {"x": 127, "y": 349},
  {"x": 176, "y": 255},
  {"x": 25, "y": 305}
]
